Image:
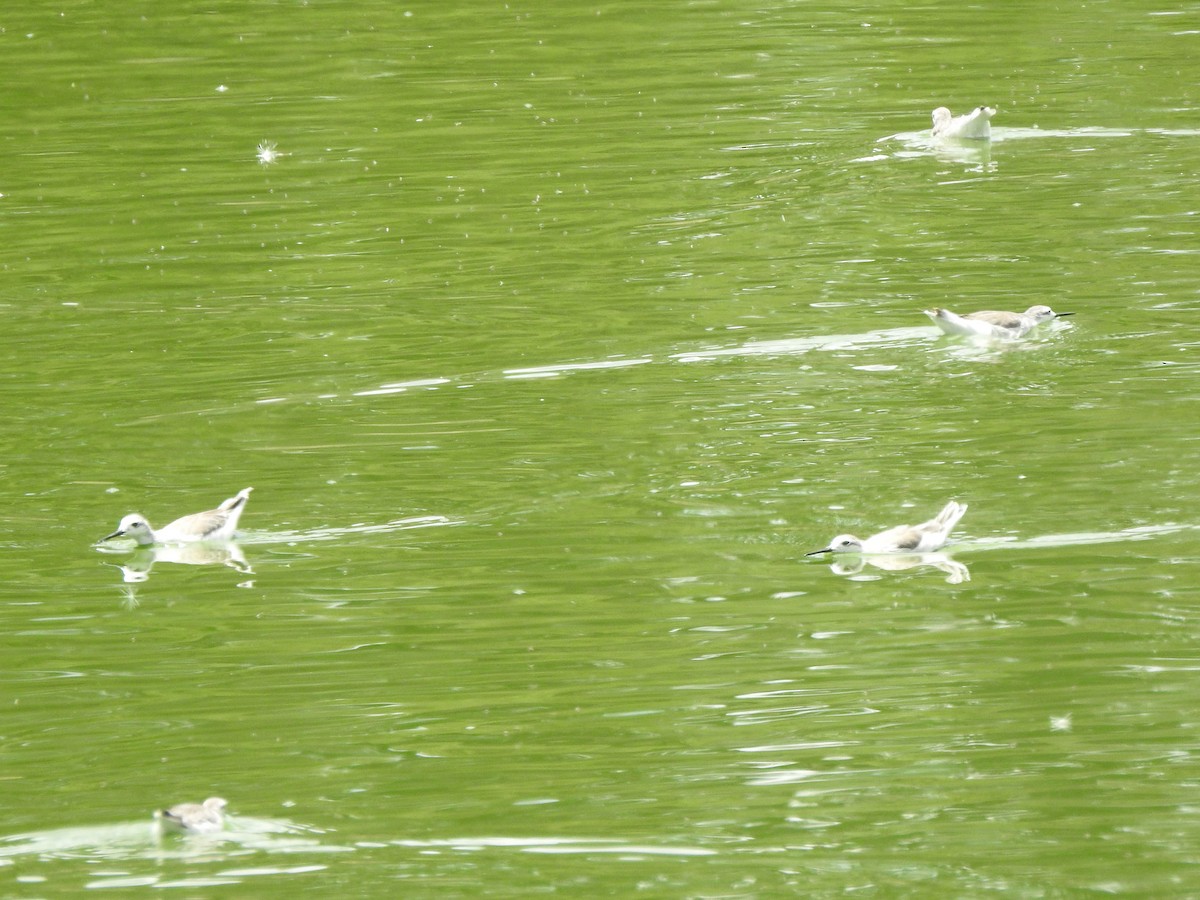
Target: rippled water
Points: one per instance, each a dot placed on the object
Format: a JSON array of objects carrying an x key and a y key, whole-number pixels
[{"x": 551, "y": 340}]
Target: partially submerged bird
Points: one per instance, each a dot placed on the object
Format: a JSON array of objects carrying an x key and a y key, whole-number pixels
[
  {"x": 215, "y": 525},
  {"x": 975, "y": 125},
  {"x": 197, "y": 818},
  {"x": 989, "y": 323},
  {"x": 923, "y": 538}
]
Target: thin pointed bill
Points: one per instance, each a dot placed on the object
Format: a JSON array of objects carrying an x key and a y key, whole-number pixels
[
  {"x": 819, "y": 552},
  {"x": 115, "y": 534}
]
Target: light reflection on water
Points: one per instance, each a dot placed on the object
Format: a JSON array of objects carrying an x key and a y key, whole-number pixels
[{"x": 143, "y": 840}]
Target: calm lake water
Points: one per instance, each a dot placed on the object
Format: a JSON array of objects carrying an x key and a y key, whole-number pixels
[{"x": 551, "y": 337}]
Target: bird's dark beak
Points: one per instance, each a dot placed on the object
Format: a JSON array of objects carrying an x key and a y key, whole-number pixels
[
  {"x": 1060, "y": 315},
  {"x": 819, "y": 552},
  {"x": 115, "y": 534}
]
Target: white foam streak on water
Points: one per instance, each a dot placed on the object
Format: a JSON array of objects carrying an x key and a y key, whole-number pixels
[
  {"x": 335, "y": 532},
  {"x": 558, "y": 845},
  {"x": 893, "y": 337},
  {"x": 401, "y": 386},
  {"x": 1138, "y": 533},
  {"x": 131, "y": 840},
  {"x": 889, "y": 337},
  {"x": 563, "y": 368},
  {"x": 922, "y": 143}
]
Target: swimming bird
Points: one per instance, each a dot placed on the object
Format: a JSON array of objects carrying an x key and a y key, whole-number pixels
[
  {"x": 974, "y": 125},
  {"x": 198, "y": 818},
  {"x": 989, "y": 323},
  {"x": 923, "y": 538},
  {"x": 215, "y": 525}
]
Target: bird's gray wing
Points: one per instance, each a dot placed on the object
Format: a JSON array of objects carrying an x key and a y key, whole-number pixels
[
  {"x": 996, "y": 317},
  {"x": 902, "y": 537},
  {"x": 199, "y": 524}
]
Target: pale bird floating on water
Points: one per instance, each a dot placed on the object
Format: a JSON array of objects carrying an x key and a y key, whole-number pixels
[
  {"x": 923, "y": 538},
  {"x": 989, "y": 323},
  {"x": 198, "y": 818},
  {"x": 974, "y": 125},
  {"x": 215, "y": 525}
]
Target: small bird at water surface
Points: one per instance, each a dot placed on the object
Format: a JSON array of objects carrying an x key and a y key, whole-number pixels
[
  {"x": 923, "y": 538},
  {"x": 214, "y": 525},
  {"x": 197, "y": 818},
  {"x": 975, "y": 125},
  {"x": 992, "y": 323}
]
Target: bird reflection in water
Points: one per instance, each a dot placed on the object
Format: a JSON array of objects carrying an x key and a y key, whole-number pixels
[
  {"x": 137, "y": 568},
  {"x": 956, "y": 572}
]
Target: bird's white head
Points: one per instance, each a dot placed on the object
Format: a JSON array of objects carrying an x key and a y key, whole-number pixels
[
  {"x": 1042, "y": 314},
  {"x": 843, "y": 543},
  {"x": 133, "y": 526}
]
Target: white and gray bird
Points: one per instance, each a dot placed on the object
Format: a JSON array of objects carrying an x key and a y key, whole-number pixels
[
  {"x": 993, "y": 323},
  {"x": 214, "y": 525},
  {"x": 923, "y": 538},
  {"x": 196, "y": 818},
  {"x": 975, "y": 125}
]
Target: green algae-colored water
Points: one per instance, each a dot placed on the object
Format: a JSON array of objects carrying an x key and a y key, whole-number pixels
[{"x": 551, "y": 338}]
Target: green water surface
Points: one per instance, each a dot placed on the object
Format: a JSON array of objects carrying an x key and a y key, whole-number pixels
[{"x": 551, "y": 337}]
